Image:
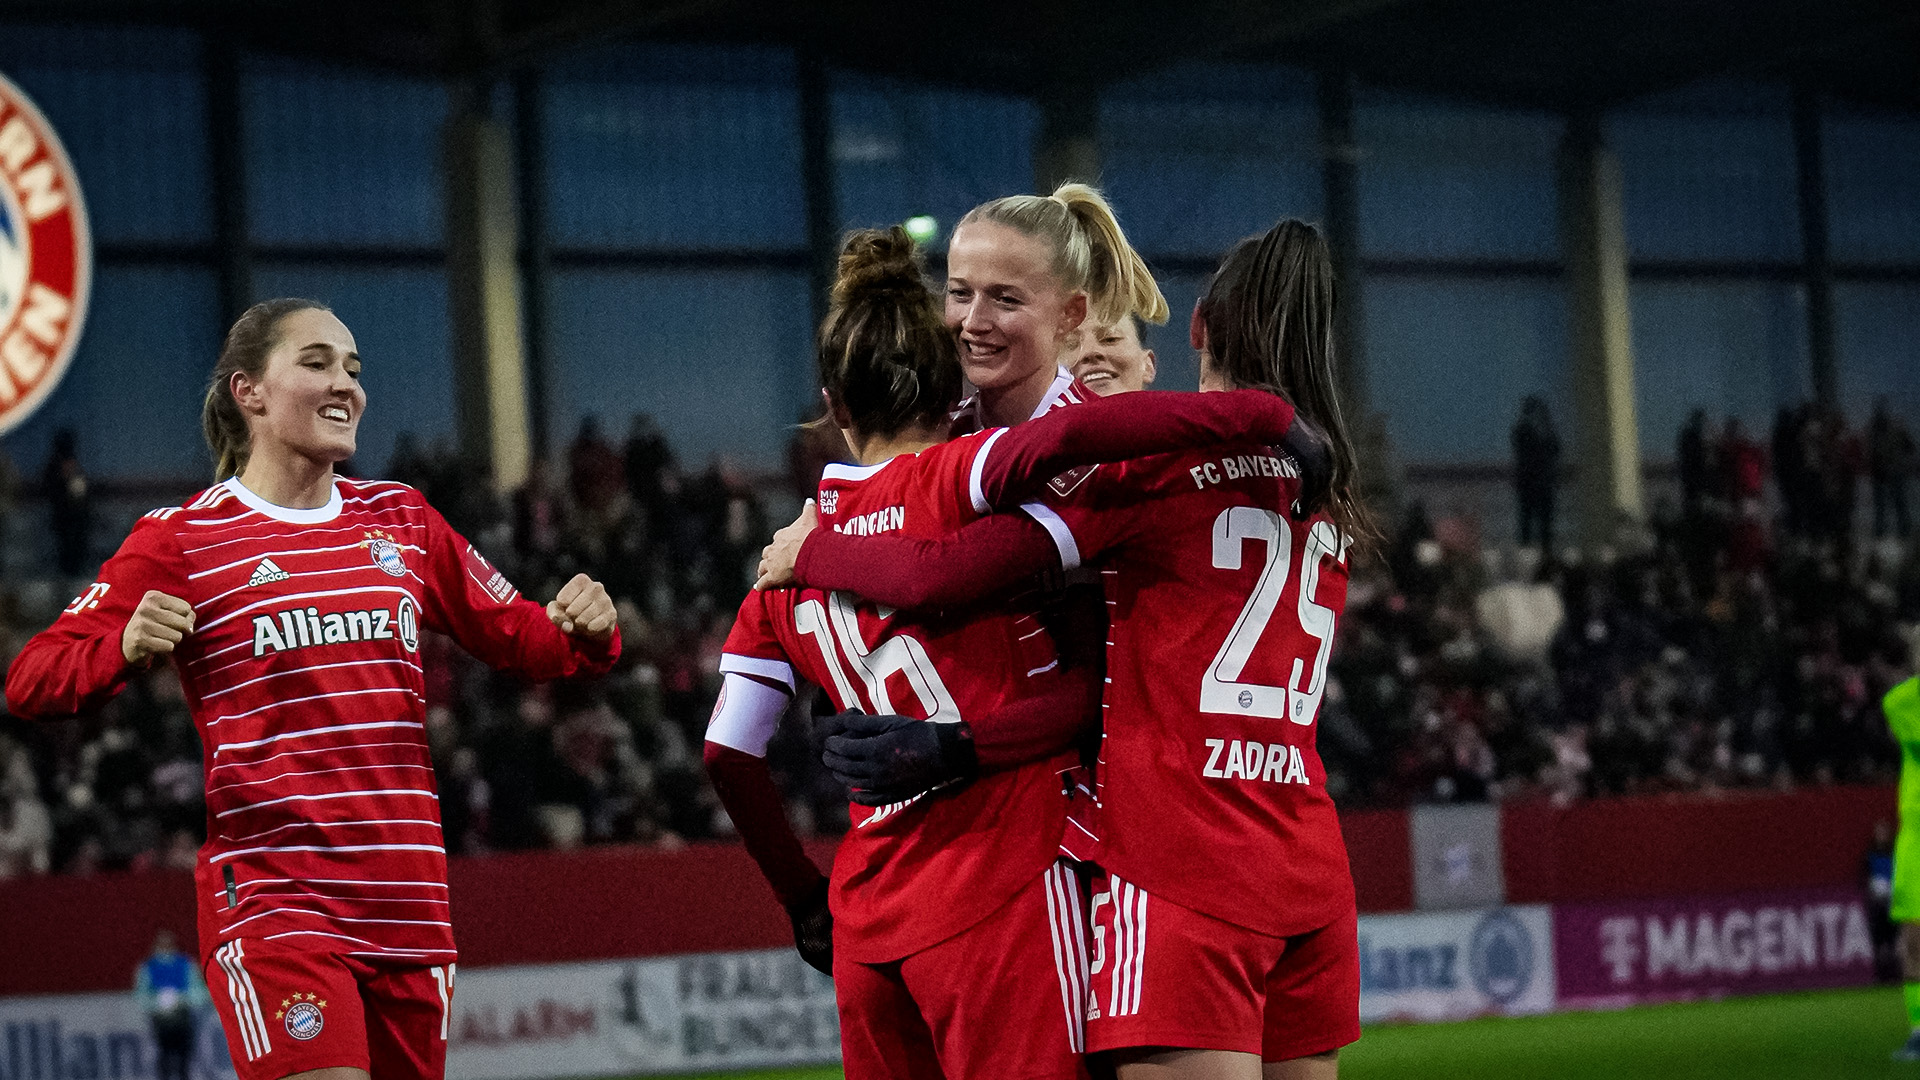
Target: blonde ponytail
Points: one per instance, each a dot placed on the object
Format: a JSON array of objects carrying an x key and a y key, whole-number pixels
[
  {"x": 1118, "y": 281},
  {"x": 1090, "y": 252}
]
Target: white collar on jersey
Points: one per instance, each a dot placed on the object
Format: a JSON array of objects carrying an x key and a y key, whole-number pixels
[
  {"x": 291, "y": 515},
  {"x": 1062, "y": 379},
  {"x": 1060, "y": 383},
  {"x": 836, "y": 470}
]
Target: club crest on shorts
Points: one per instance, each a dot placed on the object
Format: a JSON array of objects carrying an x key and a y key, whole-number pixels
[
  {"x": 46, "y": 258},
  {"x": 304, "y": 1014},
  {"x": 386, "y": 553}
]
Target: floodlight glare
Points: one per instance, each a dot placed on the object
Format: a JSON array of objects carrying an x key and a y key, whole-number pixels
[{"x": 922, "y": 227}]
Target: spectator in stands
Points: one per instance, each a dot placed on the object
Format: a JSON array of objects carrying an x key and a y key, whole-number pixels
[
  {"x": 1456, "y": 677},
  {"x": 1743, "y": 462},
  {"x": 70, "y": 500},
  {"x": 1536, "y": 467},
  {"x": 409, "y": 464},
  {"x": 648, "y": 461},
  {"x": 26, "y": 828},
  {"x": 594, "y": 471},
  {"x": 171, "y": 993},
  {"x": 1876, "y": 880},
  {"x": 1790, "y": 467},
  {"x": 539, "y": 523},
  {"x": 1891, "y": 458},
  {"x": 1695, "y": 459},
  {"x": 1835, "y": 459}
]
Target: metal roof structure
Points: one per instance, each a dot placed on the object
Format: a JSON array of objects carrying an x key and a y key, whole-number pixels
[{"x": 1557, "y": 54}]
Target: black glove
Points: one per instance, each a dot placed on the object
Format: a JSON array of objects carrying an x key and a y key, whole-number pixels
[
  {"x": 888, "y": 759},
  {"x": 1312, "y": 451},
  {"x": 813, "y": 929}
]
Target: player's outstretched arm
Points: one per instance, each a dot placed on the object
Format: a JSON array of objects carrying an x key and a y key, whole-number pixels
[
  {"x": 1020, "y": 461},
  {"x": 475, "y": 604},
  {"x": 743, "y": 723},
  {"x": 983, "y": 559},
  {"x": 133, "y": 616}
]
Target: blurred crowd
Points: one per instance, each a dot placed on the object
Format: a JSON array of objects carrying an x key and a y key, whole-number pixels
[{"x": 1742, "y": 640}]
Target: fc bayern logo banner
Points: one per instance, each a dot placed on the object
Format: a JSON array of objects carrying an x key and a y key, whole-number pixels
[{"x": 46, "y": 258}]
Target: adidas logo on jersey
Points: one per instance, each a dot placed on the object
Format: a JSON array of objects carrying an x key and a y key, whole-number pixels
[{"x": 267, "y": 572}]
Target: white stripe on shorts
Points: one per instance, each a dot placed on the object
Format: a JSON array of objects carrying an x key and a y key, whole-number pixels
[
  {"x": 1130, "y": 947},
  {"x": 246, "y": 1003},
  {"x": 1069, "y": 950}
]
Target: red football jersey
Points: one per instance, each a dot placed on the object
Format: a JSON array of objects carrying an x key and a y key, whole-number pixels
[
  {"x": 912, "y": 874},
  {"x": 1221, "y": 616},
  {"x": 303, "y": 675}
]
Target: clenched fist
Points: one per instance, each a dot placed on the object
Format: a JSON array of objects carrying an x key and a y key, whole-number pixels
[
  {"x": 158, "y": 624},
  {"x": 583, "y": 609}
]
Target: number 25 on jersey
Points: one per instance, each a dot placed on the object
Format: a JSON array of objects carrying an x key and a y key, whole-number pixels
[{"x": 1221, "y": 690}]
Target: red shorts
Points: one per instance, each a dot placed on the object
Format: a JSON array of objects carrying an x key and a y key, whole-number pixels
[
  {"x": 287, "y": 1010},
  {"x": 1166, "y": 975},
  {"x": 1003, "y": 999}
]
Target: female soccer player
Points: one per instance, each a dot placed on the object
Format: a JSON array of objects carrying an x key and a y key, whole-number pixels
[
  {"x": 1224, "y": 916},
  {"x": 1024, "y": 273},
  {"x": 957, "y": 941},
  {"x": 292, "y": 600},
  {"x": 1113, "y": 359}
]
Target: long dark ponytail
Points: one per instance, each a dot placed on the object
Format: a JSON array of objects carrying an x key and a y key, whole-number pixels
[{"x": 1269, "y": 320}]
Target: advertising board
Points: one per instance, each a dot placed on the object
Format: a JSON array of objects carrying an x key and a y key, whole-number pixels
[
  {"x": 1620, "y": 953},
  {"x": 1455, "y": 964},
  {"x": 94, "y": 1037},
  {"x": 670, "y": 1014}
]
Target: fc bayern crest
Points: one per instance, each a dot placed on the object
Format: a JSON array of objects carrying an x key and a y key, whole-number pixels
[
  {"x": 46, "y": 258},
  {"x": 386, "y": 554},
  {"x": 304, "y": 1015}
]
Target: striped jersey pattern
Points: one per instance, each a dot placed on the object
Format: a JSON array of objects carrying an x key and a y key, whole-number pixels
[{"x": 303, "y": 675}]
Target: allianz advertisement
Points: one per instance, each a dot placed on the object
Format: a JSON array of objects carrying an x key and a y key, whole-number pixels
[
  {"x": 1448, "y": 965},
  {"x": 94, "y": 1037}
]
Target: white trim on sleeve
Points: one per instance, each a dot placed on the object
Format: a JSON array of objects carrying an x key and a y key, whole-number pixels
[
  {"x": 778, "y": 670},
  {"x": 1057, "y": 528},
  {"x": 747, "y": 715},
  {"x": 974, "y": 490}
]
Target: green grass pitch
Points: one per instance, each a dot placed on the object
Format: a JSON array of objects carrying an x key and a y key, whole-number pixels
[{"x": 1832, "y": 1035}]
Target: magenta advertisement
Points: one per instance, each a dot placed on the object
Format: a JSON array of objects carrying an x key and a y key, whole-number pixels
[{"x": 1620, "y": 953}]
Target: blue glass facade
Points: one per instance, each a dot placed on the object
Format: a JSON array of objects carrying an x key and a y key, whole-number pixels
[{"x": 676, "y": 216}]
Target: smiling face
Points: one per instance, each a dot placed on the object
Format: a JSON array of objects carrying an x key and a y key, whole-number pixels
[
  {"x": 308, "y": 400},
  {"x": 1112, "y": 360},
  {"x": 1011, "y": 312}
]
